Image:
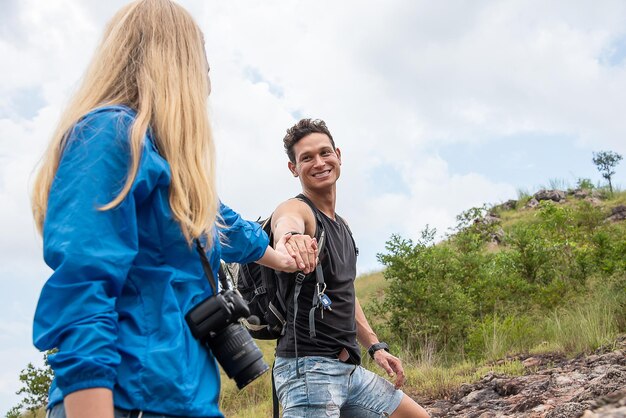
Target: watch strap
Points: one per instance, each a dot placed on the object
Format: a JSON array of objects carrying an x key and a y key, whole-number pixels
[{"x": 375, "y": 347}]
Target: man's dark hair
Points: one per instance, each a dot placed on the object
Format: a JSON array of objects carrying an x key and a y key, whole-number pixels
[{"x": 301, "y": 129}]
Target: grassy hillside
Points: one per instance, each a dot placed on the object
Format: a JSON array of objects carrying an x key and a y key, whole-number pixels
[{"x": 511, "y": 279}]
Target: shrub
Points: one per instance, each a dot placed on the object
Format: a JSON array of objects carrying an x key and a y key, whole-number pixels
[
  {"x": 529, "y": 252},
  {"x": 464, "y": 296},
  {"x": 424, "y": 299},
  {"x": 499, "y": 288},
  {"x": 584, "y": 183},
  {"x": 35, "y": 385}
]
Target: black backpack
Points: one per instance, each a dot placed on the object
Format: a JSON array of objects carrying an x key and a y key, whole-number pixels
[{"x": 267, "y": 295}]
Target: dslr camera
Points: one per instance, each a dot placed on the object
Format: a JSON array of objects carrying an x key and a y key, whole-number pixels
[{"x": 215, "y": 323}]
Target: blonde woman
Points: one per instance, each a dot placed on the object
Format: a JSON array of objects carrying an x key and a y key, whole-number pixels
[{"x": 124, "y": 190}]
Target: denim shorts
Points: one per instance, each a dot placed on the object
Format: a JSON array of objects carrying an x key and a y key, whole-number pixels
[
  {"x": 327, "y": 387},
  {"x": 58, "y": 411}
]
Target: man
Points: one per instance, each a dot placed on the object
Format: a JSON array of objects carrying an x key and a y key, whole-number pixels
[{"x": 320, "y": 375}]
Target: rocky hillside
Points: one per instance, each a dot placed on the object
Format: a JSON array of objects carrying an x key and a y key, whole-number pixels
[{"x": 554, "y": 387}]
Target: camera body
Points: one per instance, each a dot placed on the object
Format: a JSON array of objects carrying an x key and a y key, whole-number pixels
[
  {"x": 215, "y": 323},
  {"x": 215, "y": 313}
]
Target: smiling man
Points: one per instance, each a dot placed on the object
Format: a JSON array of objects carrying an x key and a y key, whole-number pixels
[{"x": 317, "y": 370}]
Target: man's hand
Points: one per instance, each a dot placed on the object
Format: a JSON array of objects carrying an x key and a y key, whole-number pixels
[
  {"x": 301, "y": 251},
  {"x": 392, "y": 365}
]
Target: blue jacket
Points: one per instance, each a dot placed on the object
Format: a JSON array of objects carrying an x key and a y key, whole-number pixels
[{"x": 125, "y": 278}]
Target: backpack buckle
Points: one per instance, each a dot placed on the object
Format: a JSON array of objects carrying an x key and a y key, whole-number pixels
[{"x": 300, "y": 277}]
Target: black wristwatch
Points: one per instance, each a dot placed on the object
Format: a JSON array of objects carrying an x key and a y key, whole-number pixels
[{"x": 375, "y": 347}]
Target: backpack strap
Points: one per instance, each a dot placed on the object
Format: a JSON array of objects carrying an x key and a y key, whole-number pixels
[
  {"x": 319, "y": 228},
  {"x": 296, "y": 292},
  {"x": 320, "y": 286}
]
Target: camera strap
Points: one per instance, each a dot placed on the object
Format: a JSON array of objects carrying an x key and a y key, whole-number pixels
[{"x": 208, "y": 271}]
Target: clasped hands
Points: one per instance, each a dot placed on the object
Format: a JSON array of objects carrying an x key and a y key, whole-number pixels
[{"x": 299, "y": 252}]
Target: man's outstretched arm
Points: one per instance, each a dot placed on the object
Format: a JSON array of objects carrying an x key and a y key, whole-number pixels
[{"x": 294, "y": 223}]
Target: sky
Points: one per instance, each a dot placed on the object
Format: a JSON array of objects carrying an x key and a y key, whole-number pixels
[{"x": 436, "y": 106}]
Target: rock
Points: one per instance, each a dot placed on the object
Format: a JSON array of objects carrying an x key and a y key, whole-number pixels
[
  {"x": 531, "y": 362},
  {"x": 528, "y": 403},
  {"x": 461, "y": 392},
  {"x": 554, "y": 195},
  {"x": 508, "y": 205},
  {"x": 436, "y": 412},
  {"x": 506, "y": 387},
  {"x": 593, "y": 200},
  {"x": 568, "y": 379},
  {"x": 618, "y": 213},
  {"x": 610, "y": 382},
  {"x": 567, "y": 410},
  {"x": 498, "y": 236},
  {"x": 491, "y": 219},
  {"x": 479, "y": 396},
  {"x": 556, "y": 387},
  {"x": 532, "y": 203},
  {"x": 613, "y": 405},
  {"x": 581, "y": 193},
  {"x": 597, "y": 194}
]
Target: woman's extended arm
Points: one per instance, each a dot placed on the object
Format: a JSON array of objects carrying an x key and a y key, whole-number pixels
[{"x": 283, "y": 260}]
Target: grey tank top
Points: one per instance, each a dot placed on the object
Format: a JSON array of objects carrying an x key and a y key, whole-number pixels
[{"x": 336, "y": 330}]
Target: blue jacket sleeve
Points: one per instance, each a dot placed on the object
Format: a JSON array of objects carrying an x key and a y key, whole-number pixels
[
  {"x": 90, "y": 251},
  {"x": 242, "y": 241}
]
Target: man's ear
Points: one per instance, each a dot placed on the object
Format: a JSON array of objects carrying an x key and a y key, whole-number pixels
[
  {"x": 338, "y": 152},
  {"x": 292, "y": 168}
]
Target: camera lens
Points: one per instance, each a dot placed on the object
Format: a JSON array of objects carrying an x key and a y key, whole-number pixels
[{"x": 238, "y": 354}]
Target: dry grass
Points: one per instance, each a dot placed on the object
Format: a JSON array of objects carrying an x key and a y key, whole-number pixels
[
  {"x": 370, "y": 286},
  {"x": 435, "y": 382}
]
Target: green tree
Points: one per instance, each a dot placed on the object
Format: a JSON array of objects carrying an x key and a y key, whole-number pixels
[
  {"x": 425, "y": 300},
  {"x": 606, "y": 161},
  {"x": 35, "y": 385}
]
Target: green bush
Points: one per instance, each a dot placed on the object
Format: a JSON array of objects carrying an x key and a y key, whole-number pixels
[
  {"x": 463, "y": 295},
  {"x": 584, "y": 183},
  {"x": 424, "y": 299},
  {"x": 530, "y": 252},
  {"x": 35, "y": 385},
  {"x": 499, "y": 288},
  {"x": 609, "y": 247}
]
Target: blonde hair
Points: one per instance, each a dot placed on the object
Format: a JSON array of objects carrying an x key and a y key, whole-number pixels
[{"x": 151, "y": 59}]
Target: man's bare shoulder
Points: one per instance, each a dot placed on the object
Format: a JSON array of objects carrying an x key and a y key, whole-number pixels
[
  {"x": 294, "y": 212},
  {"x": 294, "y": 207}
]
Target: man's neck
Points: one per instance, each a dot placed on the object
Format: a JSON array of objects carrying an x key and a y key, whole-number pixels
[{"x": 323, "y": 201}]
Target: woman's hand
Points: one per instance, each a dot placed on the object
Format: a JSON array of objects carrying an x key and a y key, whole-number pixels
[{"x": 301, "y": 251}]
